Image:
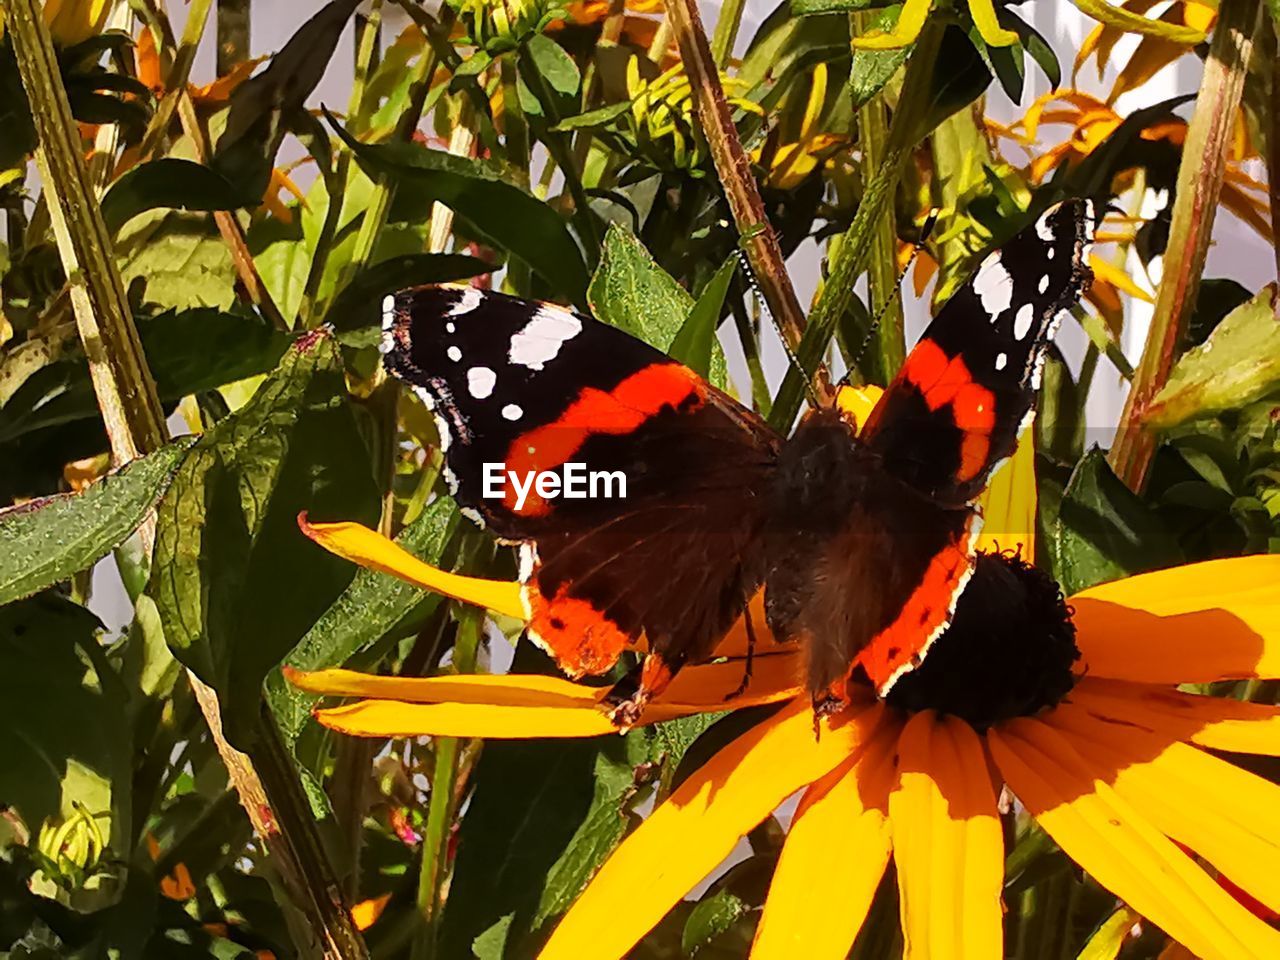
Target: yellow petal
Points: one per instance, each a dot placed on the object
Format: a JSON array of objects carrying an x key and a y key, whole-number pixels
[
  {"x": 984, "y": 18},
  {"x": 372, "y": 550},
  {"x": 73, "y": 21},
  {"x": 1009, "y": 503},
  {"x": 696, "y": 828},
  {"x": 840, "y": 833},
  {"x": 947, "y": 842},
  {"x": 1109, "y": 839},
  {"x": 1109, "y": 273},
  {"x": 1224, "y": 813},
  {"x": 1129, "y": 22},
  {"x": 1191, "y": 624},
  {"x": 858, "y": 402},
  {"x": 397, "y": 718},
  {"x": 910, "y": 22},
  {"x": 1215, "y": 722}
]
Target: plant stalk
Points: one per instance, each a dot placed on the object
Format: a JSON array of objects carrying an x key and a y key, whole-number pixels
[
  {"x": 726, "y": 33},
  {"x": 734, "y": 169},
  {"x": 134, "y": 422},
  {"x": 855, "y": 247},
  {"x": 1199, "y": 184}
]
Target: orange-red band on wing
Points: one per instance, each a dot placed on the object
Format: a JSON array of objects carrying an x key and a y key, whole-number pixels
[
  {"x": 899, "y": 647},
  {"x": 620, "y": 410},
  {"x": 947, "y": 381},
  {"x": 580, "y": 638}
]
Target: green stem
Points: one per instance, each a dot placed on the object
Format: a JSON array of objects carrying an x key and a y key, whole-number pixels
[
  {"x": 726, "y": 32},
  {"x": 442, "y": 806},
  {"x": 882, "y": 274},
  {"x": 855, "y": 247},
  {"x": 1200, "y": 175},
  {"x": 234, "y": 18},
  {"x": 336, "y": 183}
]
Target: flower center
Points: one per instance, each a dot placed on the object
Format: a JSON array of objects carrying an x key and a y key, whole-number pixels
[{"x": 1008, "y": 652}]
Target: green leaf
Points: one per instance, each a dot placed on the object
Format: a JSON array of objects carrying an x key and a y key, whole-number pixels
[
  {"x": 236, "y": 584},
  {"x": 371, "y": 607},
  {"x": 46, "y": 541},
  {"x": 1103, "y": 531},
  {"x": 1218, "y": 296},
  {"x": 360, "y": 302},
  {"x": 189, "y": 351},
  {"x": 179, "y": 259},
  {"x": 630, "y": 291},
  {"x": 695, "y": 344},
  {"x": 483, "y": 195},
  {"x": 872, "y": 69},
  {"x": 63, "y": 712},
  {"x": 594, "y": 118},
  {"x": 1004, "y": 62},
  {"x": 554, "y": 65},
  {"x": 260, "y": 109},
  {"x": 1036, "y": 45},
  {"x": 169, "y": 182},
  {"x": 711, "y": 917},
  {"x": 1238, "y": 364}
]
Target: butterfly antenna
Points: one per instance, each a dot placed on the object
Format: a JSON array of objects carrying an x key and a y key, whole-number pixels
[
  {"x": 814, "y": 399},
  {"x": 925, "y": 230}
]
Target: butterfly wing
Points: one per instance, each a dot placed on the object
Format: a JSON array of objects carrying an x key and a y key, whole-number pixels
[{"x": 658, "y": 537}]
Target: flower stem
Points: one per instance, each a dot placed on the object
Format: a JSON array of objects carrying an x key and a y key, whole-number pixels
[
  {"x": 734, "y": 169},
  {"x": 851, "y": 256},
  {"x": 134, "y": 423},
  {"x": 882, "y": 273},
  {"x": 726, "y": 33},
  {"x": 442, "y": 806},
  {"x": 1199, "y": 184}
]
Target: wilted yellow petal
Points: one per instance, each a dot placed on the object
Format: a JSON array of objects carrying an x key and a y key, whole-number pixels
[
  {"x": 910, "y": 23},
  {"x": 1123, "y": 19},
  {"x": 686, "y": 837},
  {"x": 370, "y": 549},
  {"x": 946, "y": 842},
  {"x": 984, "y": 18},
  {"x": 1109, "y": 273},
  {"x": 1218, "y": 620}
]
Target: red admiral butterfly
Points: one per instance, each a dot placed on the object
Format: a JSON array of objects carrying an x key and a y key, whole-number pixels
[{"x": 862, "y": 540}]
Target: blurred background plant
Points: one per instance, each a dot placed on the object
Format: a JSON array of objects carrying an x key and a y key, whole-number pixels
[{"x": 195, "y": 244}]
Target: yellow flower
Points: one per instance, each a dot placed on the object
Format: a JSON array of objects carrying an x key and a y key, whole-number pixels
[
  {"x": 72, "y": 21},
  {"x": 916, "y": 12},
  {"x": 1114, "y": 768},
  {"x": 792, "y": 163},
  {"x": 1177, "y": 30}
]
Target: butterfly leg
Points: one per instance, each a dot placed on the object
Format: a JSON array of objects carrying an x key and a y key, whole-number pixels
[
  {"x": 751, "y": 655},
  {"x": 627, "y": 699}
]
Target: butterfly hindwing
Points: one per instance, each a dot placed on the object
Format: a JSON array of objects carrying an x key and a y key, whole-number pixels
[{"x": 664, "y": 544}]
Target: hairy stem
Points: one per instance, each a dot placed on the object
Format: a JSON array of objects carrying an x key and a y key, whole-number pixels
[
  {"x": 1204, "y": 161},
  {"x": 734, "y": 169}
]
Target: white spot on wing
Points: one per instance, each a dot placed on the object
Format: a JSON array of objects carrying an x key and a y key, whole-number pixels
[
  {"x": 469, "y": 298},
  {"x": 528, "y": 560},
  {"x": 454, "y": 354},
  {"x": 472, "y": 514},
  {"x": 1022, "y": 321},
  {"x": 1044, "y": 283},
  {"x": 512, "y": 412},
  {"x": 1049, "y": 253},
  {"x": 994, "y": 286},
  {"x": 388, "y": 311},
  {"x": 1002, "y": 361},
  {"x": 450, "y": 327},
  {"x": 442, "y": 425},
  {"x": 1044, "y": 229},
  {"x": 541, "y": 338},
  {"x": 480, "y": 382}
]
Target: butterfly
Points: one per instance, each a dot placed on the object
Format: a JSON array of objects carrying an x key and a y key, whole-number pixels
[{"x": 862, "y": 539}]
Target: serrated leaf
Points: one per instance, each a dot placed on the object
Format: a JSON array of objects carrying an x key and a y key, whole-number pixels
[
  {"x": 1103, "y": 531},
  {"x": 235, "y": 583},
  {"x": 45, "y": 541},
  {"x": 371, "y": 605},
  {"x": 872, "y": 69},
  {"x": 482, "y": 193},
  {"x": 1238, "y": 364},
  {"x": 169, "y": 182},
  {"x": 630, "y": 291}
]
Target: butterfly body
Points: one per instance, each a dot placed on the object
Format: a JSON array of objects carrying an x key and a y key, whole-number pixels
[{"x": 861, "y": 538}]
